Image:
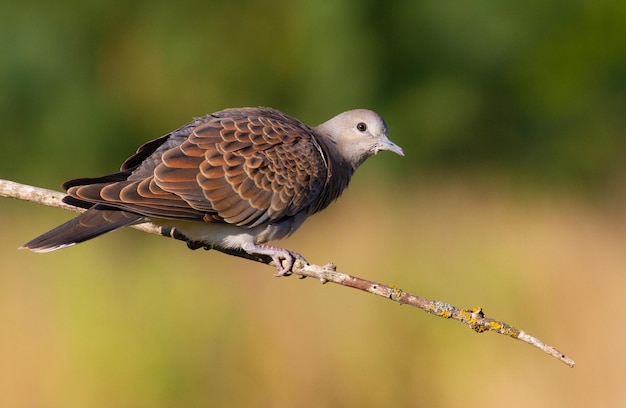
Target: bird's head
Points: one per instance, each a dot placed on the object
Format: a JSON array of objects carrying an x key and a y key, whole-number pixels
[{"x": 358, "y": 134}]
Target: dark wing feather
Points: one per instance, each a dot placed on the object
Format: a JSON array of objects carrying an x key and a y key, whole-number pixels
[
  {"x": 240, "y": 166},
  {"x": 90, "y": 224}
]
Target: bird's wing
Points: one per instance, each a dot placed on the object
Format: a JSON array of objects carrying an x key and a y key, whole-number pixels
[{"x": 247, "y": 167}]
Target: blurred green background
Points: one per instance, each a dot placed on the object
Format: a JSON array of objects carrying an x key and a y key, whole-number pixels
[{"x": 511, "y": 197}]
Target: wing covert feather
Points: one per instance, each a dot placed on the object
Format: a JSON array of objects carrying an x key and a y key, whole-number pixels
[
  {"x": 240, "y": 166},
  {"x": 253, "y": 168}
]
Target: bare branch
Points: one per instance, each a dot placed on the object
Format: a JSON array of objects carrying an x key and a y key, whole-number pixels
[{"x": 474, "y": 318}]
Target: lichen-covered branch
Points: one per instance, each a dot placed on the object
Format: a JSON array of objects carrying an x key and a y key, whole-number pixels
[{"x": 474, "y": 318}]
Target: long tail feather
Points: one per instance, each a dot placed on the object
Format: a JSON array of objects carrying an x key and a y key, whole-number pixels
[{"x": 90, "y": 224}]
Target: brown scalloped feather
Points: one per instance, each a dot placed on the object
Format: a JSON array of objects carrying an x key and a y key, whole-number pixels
[{"x": 240, "y": 166}]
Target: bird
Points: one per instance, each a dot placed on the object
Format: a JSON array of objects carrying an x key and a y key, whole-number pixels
[{"x": 232, "y": 180}]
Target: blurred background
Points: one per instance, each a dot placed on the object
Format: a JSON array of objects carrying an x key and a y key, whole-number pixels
[{"x": 511, "y": 197}]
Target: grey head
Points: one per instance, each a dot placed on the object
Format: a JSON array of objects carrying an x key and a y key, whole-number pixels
[{"x": 357, "y": 134}]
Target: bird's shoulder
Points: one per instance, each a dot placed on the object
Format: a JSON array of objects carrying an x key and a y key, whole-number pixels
[
  {"x": 246, "y": 130},
  {"x": 249, "y": 165}
]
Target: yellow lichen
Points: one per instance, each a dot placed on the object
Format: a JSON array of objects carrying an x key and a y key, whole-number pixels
[
  {"x": 397, "y": 292},
  {"x": 441, "y": 309},
  {"x": 495, "y": 325}
]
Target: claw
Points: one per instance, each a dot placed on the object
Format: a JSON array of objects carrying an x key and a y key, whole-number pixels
[
  {"x": 283, "y": 270},
  {"x": 283, "y": 259}
]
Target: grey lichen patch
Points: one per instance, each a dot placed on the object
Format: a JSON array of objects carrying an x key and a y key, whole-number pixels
[{"x": 442, "y": 309}]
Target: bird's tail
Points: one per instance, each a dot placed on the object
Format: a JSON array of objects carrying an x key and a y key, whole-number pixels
[{"x": 90, "y": 224}]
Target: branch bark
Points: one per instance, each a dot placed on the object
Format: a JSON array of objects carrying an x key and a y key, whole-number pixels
[{"x": 474, "y": 318}]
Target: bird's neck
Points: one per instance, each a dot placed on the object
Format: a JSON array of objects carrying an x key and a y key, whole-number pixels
[{"x": 337, "y": 179}]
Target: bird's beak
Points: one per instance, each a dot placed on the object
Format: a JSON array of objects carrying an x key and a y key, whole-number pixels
[{"x": 386, "y": 144}]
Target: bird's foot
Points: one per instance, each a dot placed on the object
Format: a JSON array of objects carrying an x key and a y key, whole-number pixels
[
  {"x": 191, "y": 244},
  {"x": 283, "y": 259},
  {"x": 197, "y": 245}
]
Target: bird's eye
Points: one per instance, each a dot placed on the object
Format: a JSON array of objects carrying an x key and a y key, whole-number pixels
[{"x": 362, "y": 127}]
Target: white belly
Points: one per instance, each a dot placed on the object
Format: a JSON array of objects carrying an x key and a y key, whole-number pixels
[{"x": 216, "y": 234}]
